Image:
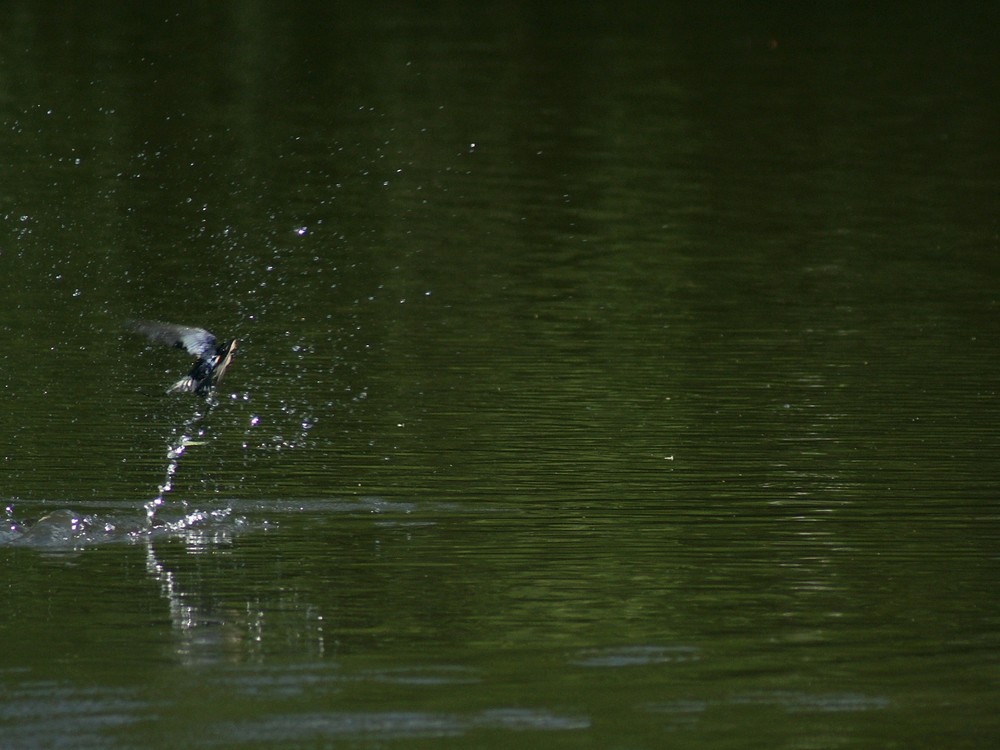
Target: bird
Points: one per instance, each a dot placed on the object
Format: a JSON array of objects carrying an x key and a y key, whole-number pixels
[{"x": 213, "y": 358}]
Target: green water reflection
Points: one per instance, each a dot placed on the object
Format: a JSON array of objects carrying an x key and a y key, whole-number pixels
[{"x": 607, "y": 377}]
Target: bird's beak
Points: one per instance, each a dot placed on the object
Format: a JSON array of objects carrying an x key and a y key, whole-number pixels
[{"x": 227, "y": 358}]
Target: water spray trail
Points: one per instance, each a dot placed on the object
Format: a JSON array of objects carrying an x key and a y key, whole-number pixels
[{"x": 175, "y": 450}]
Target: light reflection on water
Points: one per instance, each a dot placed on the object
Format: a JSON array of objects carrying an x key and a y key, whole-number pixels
[
  {"x": 389, "y": 725},
  {"x": 58, "y": 713}
]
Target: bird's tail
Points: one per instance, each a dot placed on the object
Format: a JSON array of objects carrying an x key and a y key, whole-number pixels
[{"x": 187, "y": 384}]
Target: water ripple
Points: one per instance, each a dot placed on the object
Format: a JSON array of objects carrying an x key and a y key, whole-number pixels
[{"x": 392, "y": 725}]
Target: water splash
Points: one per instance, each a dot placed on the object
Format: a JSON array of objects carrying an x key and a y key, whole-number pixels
[
  {"x": 189, "y": 434},
  {"x": 71, "y": 529}
]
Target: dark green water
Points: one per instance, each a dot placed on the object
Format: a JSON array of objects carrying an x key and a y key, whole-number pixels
[{"x": 613, "y": 377}]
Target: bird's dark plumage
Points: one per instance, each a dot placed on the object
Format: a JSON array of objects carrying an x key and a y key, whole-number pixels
[{"x": 213, "y": 358}]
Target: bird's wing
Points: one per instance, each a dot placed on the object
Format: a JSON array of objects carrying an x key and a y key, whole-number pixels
[{"x": 197, "y": 341}]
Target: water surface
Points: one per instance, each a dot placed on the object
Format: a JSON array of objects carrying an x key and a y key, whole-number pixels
[{"x": 607, "y": 377}]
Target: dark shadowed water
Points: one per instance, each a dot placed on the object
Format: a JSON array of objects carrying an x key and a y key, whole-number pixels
[{"x": 609, "y": 376}]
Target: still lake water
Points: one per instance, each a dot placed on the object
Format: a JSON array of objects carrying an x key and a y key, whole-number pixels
[{"x": 608, "y": 377}]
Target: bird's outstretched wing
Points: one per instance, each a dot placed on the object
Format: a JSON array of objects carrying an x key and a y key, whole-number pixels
[{"x": 197, "y": 341}]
